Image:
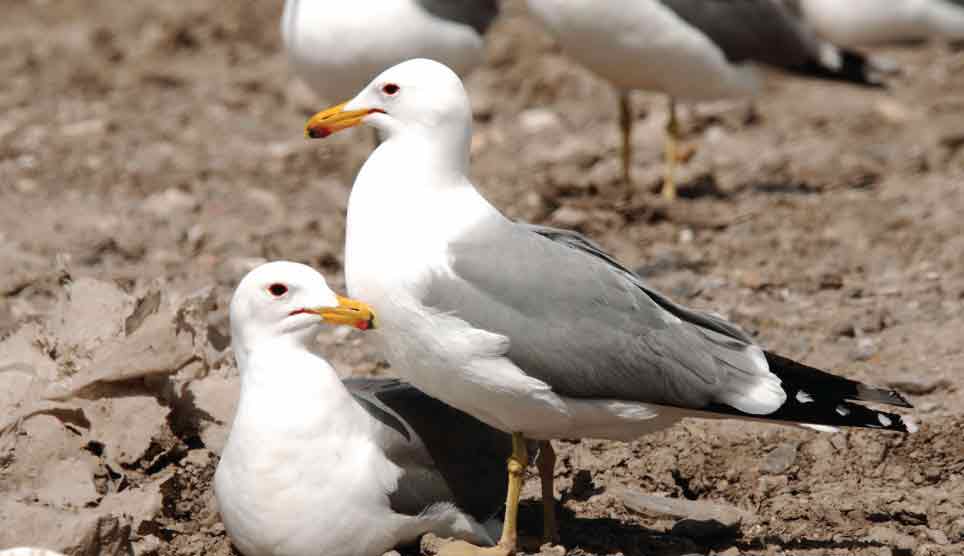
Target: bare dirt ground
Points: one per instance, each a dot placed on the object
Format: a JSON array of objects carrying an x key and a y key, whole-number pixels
[{"x": 151, "y": 153}]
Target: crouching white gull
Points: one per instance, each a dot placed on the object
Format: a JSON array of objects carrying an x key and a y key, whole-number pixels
[
  {"x": 864, "y": 22},
  {"x": 691, "y": 50},
  {"x": 533, "y": 330},
  {"x": 315, "y": 465}
]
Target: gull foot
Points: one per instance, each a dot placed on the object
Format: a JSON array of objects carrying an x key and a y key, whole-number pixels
[
  {"x": 539, "y": 545},
  {"x": 462, "y": 548}
]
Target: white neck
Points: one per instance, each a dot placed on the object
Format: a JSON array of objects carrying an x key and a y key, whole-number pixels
[
  {"x": 407, "y": 204},
  {"x": 299, "y": 390}
]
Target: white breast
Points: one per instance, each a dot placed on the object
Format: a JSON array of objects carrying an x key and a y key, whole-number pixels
[{"x": 293, "y": 453}]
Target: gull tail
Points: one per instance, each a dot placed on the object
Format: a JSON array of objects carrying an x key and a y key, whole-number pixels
[
  {"x": 838, "y": 64},
  {"x": 816, "y": 397}
]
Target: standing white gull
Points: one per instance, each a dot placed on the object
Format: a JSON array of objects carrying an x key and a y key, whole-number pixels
[
  {"x": 315, "y": 465},
  {"x": 691, "y": 50},
  {"x": 855, "y": 23},
  {"x": 533, "y": 330},
  {"x": 336, "y": 46}
]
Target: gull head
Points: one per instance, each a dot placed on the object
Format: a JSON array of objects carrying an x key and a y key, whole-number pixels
[
  {"x": 284, "y": 299},
  {"x": 419, "y": 95}
]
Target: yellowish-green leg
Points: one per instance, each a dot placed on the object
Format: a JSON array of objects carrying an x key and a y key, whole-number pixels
[
  {"x": 626, "y": 127},
  {"x": 546, "y": 464},
  {"x": 510, "y": 532},
  {"x": 670, "y": 154},
  {"x": 516, "y": 467}
]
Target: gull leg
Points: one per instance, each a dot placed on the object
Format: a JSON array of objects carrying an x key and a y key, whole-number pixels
[
  {"x": 670, "y": 156},
  {"x": 626, "y": 127},
  {"x": 547, "y": 466},
  {"x": 507, "y": 544}
]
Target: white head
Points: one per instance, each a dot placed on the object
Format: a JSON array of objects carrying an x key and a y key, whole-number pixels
[
  {"x": 419, "y": 96},
  {"x": 285, "y": 300}
]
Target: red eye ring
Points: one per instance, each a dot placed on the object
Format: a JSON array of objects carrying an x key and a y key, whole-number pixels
[
  {"x": 277, "y": 290},
  {"x": 390, "y": 89}
]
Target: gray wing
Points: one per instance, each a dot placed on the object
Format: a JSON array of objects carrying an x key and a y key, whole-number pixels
[
  {"x": 447, "y": 455},
  {"x": 751, "y": 30},
  {"x": 589, "y": 328},
  {"x": 478, "y": 14}
]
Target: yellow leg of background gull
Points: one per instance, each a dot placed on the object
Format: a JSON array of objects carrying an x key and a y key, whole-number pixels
[
  {"x": 510, "y": 532},
  {"x": 547, "y": 467},
  {"x": 672, "y": 141},
  {"x": 626, "y": 127}
]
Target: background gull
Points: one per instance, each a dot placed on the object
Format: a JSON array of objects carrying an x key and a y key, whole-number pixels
[
  {"x": 863, "y": 22},
  {"x": 314, "y": 465},
  {"x": 537, "y": 331},
  {"x": 690, "y": 50},
  {"x": 336, "y": 46}
]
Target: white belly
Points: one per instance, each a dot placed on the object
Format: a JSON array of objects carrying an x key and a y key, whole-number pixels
[{"x": 292, "y": 502}]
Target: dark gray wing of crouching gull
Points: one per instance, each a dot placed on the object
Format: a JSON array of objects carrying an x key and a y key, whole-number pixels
[
  {"x": 768, "y": 32},
  {"x": 590, "y": 328},
  {"x": 478, "y": 14},
  {"x": 447, "y": 455}
]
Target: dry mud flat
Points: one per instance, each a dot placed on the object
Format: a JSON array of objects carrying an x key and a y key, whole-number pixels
[{"x": 151, "y": 153}]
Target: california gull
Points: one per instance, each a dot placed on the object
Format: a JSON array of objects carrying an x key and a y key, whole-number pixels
[
  {"x": 316, "y": 465},
  {"x": 538, "y": 331},
  {"x": 337, "y": 46},
  {"x": 691, "y": 50},
  {"x": 855, "y": 23}
]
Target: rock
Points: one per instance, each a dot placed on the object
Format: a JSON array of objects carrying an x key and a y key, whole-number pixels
[
  {"x": 535, "y": 120},
  {"x": 89, "y": 313},
  {"x": 50, "y": 464},
  {"x": 22, "y": 349},
  {"x": 67, "y": 483},
  {"x": 889, "y": 536},
  {"x": 569, "y": 217},
  {"x": 71, "y": 532},
  {"x": 956, "y": 531},
  {"x": 937, "y": 536},
  {"x": 16, "y": 383},
  {"x": 702, "y": 519},
  {"x": 780, "y": 459},
  {"x": 126, "y": 426},
  {"x": 819, "y": 448},
  {"x": 162, "y": 344},
  {"x": 863, "y": 349},
  {"x": 169, "y": 202},
  {"x": 138, "y": 505},
  {"x": 919, "y": 386},
  {"x": 213, "y": 401}
]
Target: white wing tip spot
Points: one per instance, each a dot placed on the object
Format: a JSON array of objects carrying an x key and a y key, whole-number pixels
[
  {"x": 910, "y": 423},
  {"x": 804, "y": 397},
  {"x": 842, "y": 411},
  {"x": 884, "y": 420}
]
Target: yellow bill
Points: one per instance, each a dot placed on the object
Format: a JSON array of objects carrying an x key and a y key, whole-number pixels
[{"x": 335, "y": 119}]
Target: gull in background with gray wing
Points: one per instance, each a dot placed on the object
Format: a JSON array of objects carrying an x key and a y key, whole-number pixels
[
  {"x": 532, "y": 330},
  {"x": 690, "y": 50},
  {"x": 336, "y": 46},
  {"x": 316, "y": 465},
  {"x": 854, "y": 23}
]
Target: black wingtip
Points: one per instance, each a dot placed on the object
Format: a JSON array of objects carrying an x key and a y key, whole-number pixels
[{"x": 881, "y": 395}]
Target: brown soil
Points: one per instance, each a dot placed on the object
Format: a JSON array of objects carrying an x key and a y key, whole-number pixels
[{"x": 150, "y": 150}]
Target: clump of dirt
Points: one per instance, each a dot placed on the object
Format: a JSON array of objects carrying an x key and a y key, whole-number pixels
[{"x": 151, "y": 154}]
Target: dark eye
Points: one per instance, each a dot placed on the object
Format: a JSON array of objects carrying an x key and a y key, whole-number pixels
[
  {"x": 390, "y": 89},
  {"x": 277, "y": 290}
]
